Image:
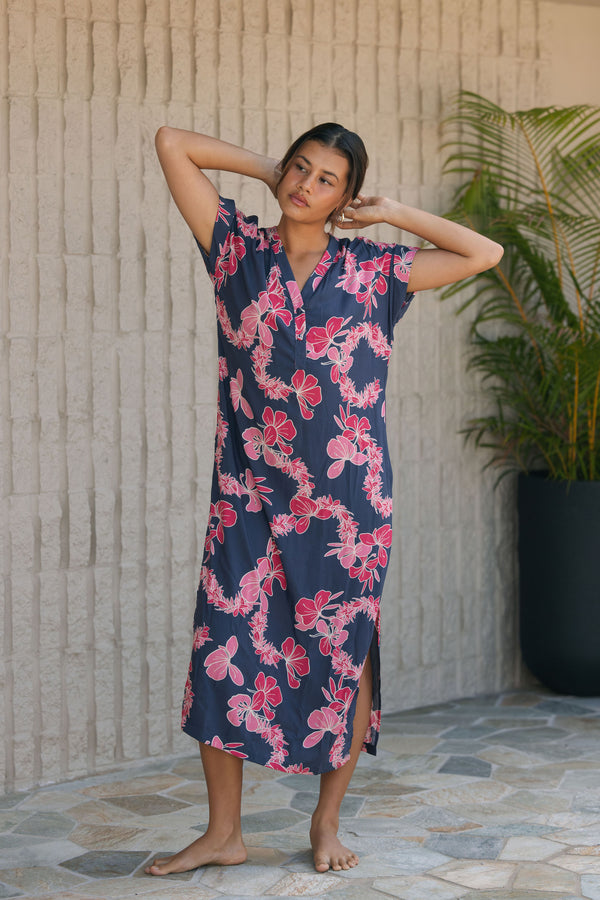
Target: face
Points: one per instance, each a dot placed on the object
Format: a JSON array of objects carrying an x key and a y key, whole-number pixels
[{"x": 314, "y": 184}]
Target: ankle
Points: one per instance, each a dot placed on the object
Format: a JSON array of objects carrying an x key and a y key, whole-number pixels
[
  {"x": 224, "y": 831},
  {"x": 325, "y": 819}
]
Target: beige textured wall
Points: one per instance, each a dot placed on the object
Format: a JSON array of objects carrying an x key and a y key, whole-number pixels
[{"x": 108, "y": 349}]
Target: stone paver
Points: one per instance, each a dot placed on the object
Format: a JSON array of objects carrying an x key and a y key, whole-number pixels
[{"x": 493, "y": 798}]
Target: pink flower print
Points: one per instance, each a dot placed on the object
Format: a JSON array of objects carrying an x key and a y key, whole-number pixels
[
  {"x": 307, "y": 390},
  {"x": 364, "y": 570},
  {"x": 255, "y": 446},
  {"x": 201, "y": 637},
  {"x": 346, "y": 553},
  {"x": 342, "y": 450},
  {"x": 354, "y": 428},
  {"x": 342, "y": 362},
  {"x": 274, "y": 572},
  {"x": 380, "y": 541},
  {"x": 188, "y": 697},
  {"x": 278, "y": 310},
  {"x": 333, "y": 635},
  {"x": 309, "y": 610},
  {"x": 305, "y": 508},
  {"x": 240, "y": 707},
  {"x": 219, "y": 664},
  {"x": 222, "y": 368},
  {"x": 256, "y": 490},
  {"x": 230, "y": 253},
  {"x": 235, "y": 389},
  {"x": 296, "y": 661},
  {"x": 402, "y": 264},
  {"x": 322, "y": 720},
  {"x": 339, "y": 697},
  {"x": 319, "y": 340},
  {"x": 229, "y": 748},
  {"x": 250, "y": 584},
  {"x": 376, "y": 269},
  {"x": 294, "y": 292},
  {"x": 251, "y": 317},
  {"x": 321, "y": 269},
  {"x": 279, "y": 429},
  {"x": 267, "y": 694},
  {"x": 353, "y": 279},
  {"x": 226, "y": 516}
]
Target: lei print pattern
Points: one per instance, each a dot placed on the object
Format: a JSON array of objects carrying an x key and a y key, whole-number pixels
[{"x": 299, "y": 529}]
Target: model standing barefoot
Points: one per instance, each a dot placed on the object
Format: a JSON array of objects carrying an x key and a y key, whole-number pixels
[{"x": 285, "y": 661}]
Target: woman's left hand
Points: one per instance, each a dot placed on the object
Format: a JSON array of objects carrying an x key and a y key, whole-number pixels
[{"x": 362, "y": 212}]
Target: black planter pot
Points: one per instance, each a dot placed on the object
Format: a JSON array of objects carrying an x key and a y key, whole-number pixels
[{"x": 559, "y": 567}]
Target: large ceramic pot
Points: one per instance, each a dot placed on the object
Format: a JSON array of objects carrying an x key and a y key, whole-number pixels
[{"x": 559, "y": 567}]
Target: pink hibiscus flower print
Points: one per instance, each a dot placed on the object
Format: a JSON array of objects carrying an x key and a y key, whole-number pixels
[
  {"x": 309, "y": 610},
  {"x": 256, "y": 446},
  {"x": 402, "y": 264},
  {"x": 322, "y": 720},
  {"x": 256, "y": 490},
  {"x": 339, "y": 697},
  {"x": 231, "y": 747},
  {"x": 342, "y": 451},
  {"x": 296, "y": 661},
  {"x": 278, "y": 429},
  {"x": 379, "y": 542},
  {"x": 267, "y": 694},
  {"x": 304, "y": 508},
  {"x": 226, "y": 517},
  {"x": 235, "y": 389},
  {"x": 319, "y": 340},
  {"x": 219, "y": 663},
  {"x": 308, "y": 392},
  {"x": 251, "y": 317}
]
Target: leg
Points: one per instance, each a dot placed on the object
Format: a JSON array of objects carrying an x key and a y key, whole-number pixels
[
  {"x": 221, "y": 844},
  {"x": 328, "y": 851}
]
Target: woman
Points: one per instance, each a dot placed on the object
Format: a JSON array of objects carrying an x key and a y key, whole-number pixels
[{"x": 285, "y": 661}]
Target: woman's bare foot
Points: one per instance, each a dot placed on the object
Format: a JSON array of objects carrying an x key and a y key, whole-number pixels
[
  {"x": 207, "y": 850},
  {"x": 328, "y": 850}
]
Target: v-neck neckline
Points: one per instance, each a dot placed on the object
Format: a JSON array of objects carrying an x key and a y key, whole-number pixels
[{"x": 326, "y": 257}]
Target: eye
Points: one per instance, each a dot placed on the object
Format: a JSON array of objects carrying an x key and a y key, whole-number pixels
[
  {"x": 301, "y": 167},
  {"x": 325, "y": 180}
]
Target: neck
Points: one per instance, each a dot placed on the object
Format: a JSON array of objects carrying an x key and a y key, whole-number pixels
[{"x": 299, "y": 239}]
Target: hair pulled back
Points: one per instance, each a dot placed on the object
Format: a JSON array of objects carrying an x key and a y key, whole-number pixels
[{"x": 348, "y": 143}]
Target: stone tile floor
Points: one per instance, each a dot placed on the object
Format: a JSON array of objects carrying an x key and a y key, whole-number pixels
[{"x": 494, "y": 797}]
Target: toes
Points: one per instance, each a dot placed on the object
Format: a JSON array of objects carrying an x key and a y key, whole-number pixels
[{"x": 321, "y": 865}]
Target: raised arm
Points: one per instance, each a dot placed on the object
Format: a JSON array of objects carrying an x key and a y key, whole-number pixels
[
  {"x": 184, "y": 154},
  {"x": 458, "y": 253}
]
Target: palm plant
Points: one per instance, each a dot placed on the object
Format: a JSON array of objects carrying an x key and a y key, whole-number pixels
[{"x": 531, "y": 181}]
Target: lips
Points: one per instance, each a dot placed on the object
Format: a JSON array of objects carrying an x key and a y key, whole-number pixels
[{"x": 298, "y": 200}]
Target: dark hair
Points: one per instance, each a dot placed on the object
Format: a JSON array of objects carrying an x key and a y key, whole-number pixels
[{"x": 348, "y": 143}]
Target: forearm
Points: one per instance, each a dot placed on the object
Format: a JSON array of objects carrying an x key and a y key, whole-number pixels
[
  {"x": 442, "y": 233},
  {"x": 207, "y": 152}
]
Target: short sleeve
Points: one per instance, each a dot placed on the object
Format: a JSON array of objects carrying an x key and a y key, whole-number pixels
[
  {"x": 224, "y": 230},
  {"x": 400, "y": 296}
]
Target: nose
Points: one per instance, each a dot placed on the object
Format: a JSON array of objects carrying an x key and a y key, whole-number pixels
[{"x": 306, "y": 182}]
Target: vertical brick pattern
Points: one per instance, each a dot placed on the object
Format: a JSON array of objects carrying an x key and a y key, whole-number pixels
[{"x": 108, "y": 352}]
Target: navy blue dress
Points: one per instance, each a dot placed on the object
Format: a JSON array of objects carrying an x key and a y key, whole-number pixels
[{"x": 299, "y": 530}]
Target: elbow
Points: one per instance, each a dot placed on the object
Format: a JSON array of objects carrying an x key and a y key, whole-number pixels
[
  {"x": 162, "y": 137},
  {"x": 492, "y": 256}
]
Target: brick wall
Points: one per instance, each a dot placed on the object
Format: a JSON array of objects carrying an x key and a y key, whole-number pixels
[{"x": 108, "y": 346}]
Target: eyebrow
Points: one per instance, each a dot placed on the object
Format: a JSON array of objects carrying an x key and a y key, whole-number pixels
[{"x": 325, "y": 171}]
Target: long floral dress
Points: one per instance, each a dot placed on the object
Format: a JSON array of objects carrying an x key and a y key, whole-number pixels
[{"x": 299, "y": 530}]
